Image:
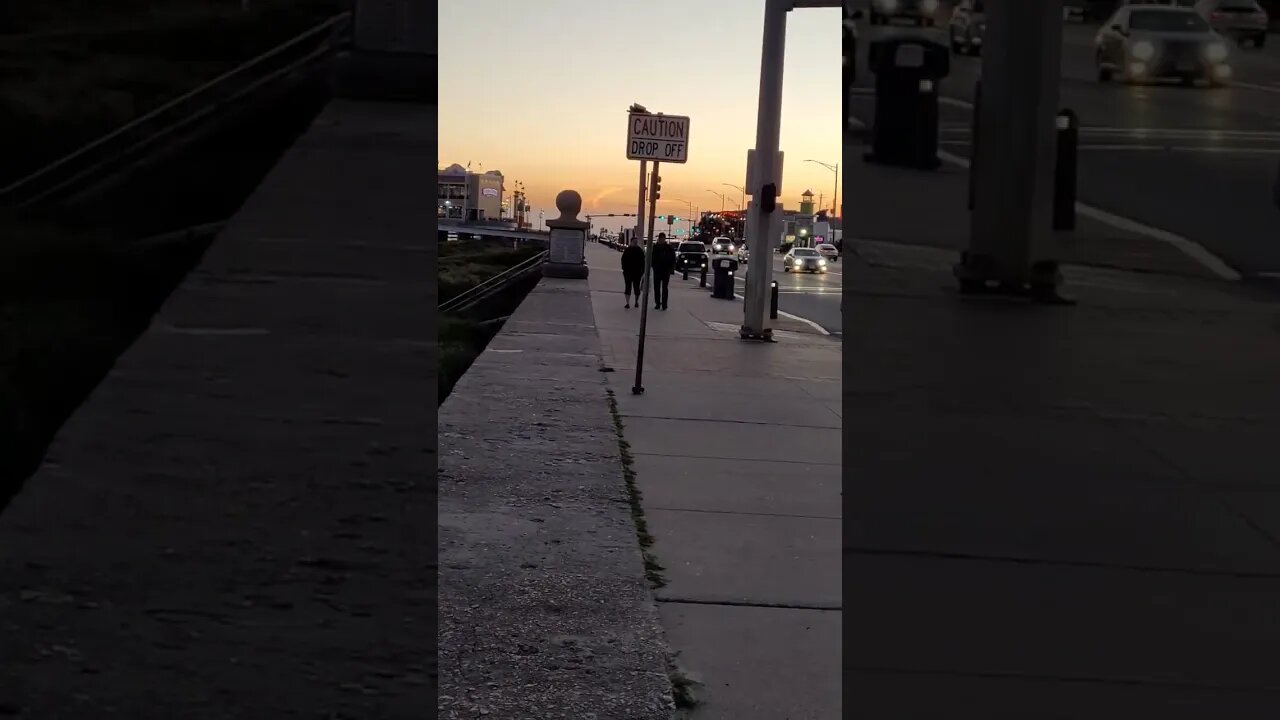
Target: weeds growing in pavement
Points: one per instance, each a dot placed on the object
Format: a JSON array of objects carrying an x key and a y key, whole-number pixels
[{"x": 652, "y": 570}]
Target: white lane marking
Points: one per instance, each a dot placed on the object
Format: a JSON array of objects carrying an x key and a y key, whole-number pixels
[
  {"x": 1190, "y": 248},
  {"x": 955, "y": 102},
  {"x": 1269, "y": 274},
  {"x": 806, "y": 321},
  {"x": 856, "y": 123},
  {"x": 1254, "y": 86},
  {"x": 1225, "y": 150}
]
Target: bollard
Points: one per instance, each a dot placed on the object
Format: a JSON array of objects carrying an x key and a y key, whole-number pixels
[
  {"x": 1064, "y": 176},
  {"x": 974, "y": 137},
  {"x": 773, "y": 300},
  {"x": 684, "y": 273},
  {"x": 703, "y": 281}
]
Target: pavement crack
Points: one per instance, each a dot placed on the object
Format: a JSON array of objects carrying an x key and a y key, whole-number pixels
[
  {"x": 828, "y": 607},
  {"x": 1131, "y": 682},
  {"x": 1012, "y": 560}
]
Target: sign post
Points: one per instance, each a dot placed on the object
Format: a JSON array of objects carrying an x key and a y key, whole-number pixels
[
  {"x": 661, "y": 139},
  {"x": 638, "y": 388}
]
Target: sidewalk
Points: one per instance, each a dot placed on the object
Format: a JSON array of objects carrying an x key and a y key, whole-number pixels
[
  {"x": 236, "y": 523},
  {"x": 736, "y": 451},
  {"x": 1057, "y": 512}
]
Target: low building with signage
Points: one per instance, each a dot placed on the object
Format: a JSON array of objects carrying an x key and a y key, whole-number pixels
[{"x": 469, "y": 197}]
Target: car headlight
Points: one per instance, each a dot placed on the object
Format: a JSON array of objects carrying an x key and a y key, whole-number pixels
[
  {"x": 1143, "y": 50},
  {"x": 1215, "y": 52},
  {"x": 822, "y": 262},
  {"x": 730, "y": 248}
]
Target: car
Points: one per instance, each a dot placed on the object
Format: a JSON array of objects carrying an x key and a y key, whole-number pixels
[
  {"x": 691, "y": 255},
  {"x": 722, "y": 245},
  {"x": 804, "y": 260},
  {"x": 967, "y": 27},
  {"x": 828, "y": 252},
  {"x": 921, "y": 12},
  {"x": 1154, "y": 42},
  {"x": 1244, "y": 20},
  {"x": 743, "y": 255}
]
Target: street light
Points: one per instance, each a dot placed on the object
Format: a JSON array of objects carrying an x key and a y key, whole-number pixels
[
  {"x": 743, "y": 202},
  {"x": 721, "y": 195},
  {"x": 834, "y": 195}
]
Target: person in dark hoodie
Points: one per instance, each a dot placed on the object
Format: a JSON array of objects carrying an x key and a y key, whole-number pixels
[
  {"x": 632, "y": 271},
  {"x": 664, "y": 263}
]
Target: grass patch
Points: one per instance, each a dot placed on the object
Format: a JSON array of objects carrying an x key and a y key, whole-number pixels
[
  {"x": 60, "y": 88},
  {"x": 652, "y": 569},
  {"x": 459, "y": 267},
  {"x": 68, "y": 309}
]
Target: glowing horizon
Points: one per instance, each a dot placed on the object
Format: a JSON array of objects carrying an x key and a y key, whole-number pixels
[{"x": 518, "y": 96}]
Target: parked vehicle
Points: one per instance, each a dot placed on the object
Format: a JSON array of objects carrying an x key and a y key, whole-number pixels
[
  {"x": 967, "y": 27},
  {"x": 1153, "y": 42},
  {"x": 921, "y": 12},
  {"x": 1242, "y": 20}
]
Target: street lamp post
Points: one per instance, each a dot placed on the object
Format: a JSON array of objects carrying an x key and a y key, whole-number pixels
[
  {"x": 743, "y": 202},
  {"x": 721, "y": 196},
  {"x": 835, "y": 169}
]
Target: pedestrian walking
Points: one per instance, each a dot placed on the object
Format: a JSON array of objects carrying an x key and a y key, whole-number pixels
[
  {"x": 632, "y": 271},
  {"x": 664, "y": 263}
]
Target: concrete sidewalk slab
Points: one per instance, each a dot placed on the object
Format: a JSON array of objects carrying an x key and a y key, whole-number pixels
[
  {"x": 753, "y": 683},
  {"x": 737, "y": 456},
  {"x": 738, "y": 486},
  {"x": 1050, "y": 621},
  {"x": 749, "y": 559},
  {"x": 674, "y": 437},
  {"x": 893, "y": 693}
]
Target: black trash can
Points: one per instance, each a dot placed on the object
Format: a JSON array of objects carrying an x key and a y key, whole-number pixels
[
  {"x": 908, "y": 71},
  {"x": 722, "y": 286}
]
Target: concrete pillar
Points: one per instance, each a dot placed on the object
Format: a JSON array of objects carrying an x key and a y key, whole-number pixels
[
  {"x": 1013, "y": 162},
  {"x": 394, "y": 52}
]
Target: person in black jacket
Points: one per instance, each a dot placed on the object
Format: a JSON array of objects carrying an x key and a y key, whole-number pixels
[
  {"x": 632, "y": 271},
  {"x": 664, "y": 263}
]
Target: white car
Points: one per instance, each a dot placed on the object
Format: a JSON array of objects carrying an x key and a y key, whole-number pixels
[
  {"x": 829, "y": 252},
  {"x": 723, "y": 245},
  {"x": 804, "y": 260}
]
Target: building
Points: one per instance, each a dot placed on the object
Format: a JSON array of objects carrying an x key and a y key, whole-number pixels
[{"x": 469, "y": 197}]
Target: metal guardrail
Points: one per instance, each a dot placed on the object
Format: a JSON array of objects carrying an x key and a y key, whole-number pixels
[
  {"x": 469, "y": 297},
  {"x": 96, "y": 159}
]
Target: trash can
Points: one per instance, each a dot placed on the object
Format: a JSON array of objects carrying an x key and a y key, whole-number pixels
[
  {"x": 905, "y": 131},
  {"x": 722, "y": 286}
]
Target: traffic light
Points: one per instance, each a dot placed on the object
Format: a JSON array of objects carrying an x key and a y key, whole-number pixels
[
  {"x": 657, "y": 187},
  {"x": 671, "y": 219}
]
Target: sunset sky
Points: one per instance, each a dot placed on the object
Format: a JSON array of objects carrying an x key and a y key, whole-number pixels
[{"x": 540, "y": 91}]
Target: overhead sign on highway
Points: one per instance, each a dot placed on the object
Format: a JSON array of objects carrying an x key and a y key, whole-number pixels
[{"x": 664, "y": 138}]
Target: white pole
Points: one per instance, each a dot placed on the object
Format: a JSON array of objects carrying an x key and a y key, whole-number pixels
[
  {"x": 768, "y": 131},
  {"x": 1011, "y": 223}
]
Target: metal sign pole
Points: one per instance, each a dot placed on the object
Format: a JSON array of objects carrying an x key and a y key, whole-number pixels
[{"x": 638, "y": 388}]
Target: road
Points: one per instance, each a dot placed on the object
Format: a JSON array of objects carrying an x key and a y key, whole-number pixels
[
  {"x": 815, "y": 298},
  {"x": 1197, "y": 162}
]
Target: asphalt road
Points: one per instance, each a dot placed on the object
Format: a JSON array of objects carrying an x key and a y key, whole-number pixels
[
  {"x": 813, "y": 297},
  {"x": 1198, "y": 162}
]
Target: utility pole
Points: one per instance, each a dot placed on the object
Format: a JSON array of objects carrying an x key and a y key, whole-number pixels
[
  {"x": 765, "y": 175},
  {"x": 638, "y": 387},
  {"x": 1011, "y": 236}
]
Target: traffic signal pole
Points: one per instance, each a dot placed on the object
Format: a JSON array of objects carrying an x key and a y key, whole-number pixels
[
  {"x": 1011, "y": 239},
  {"x": 765, "y": 174},
  {"x": 638, "y": 387}
]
